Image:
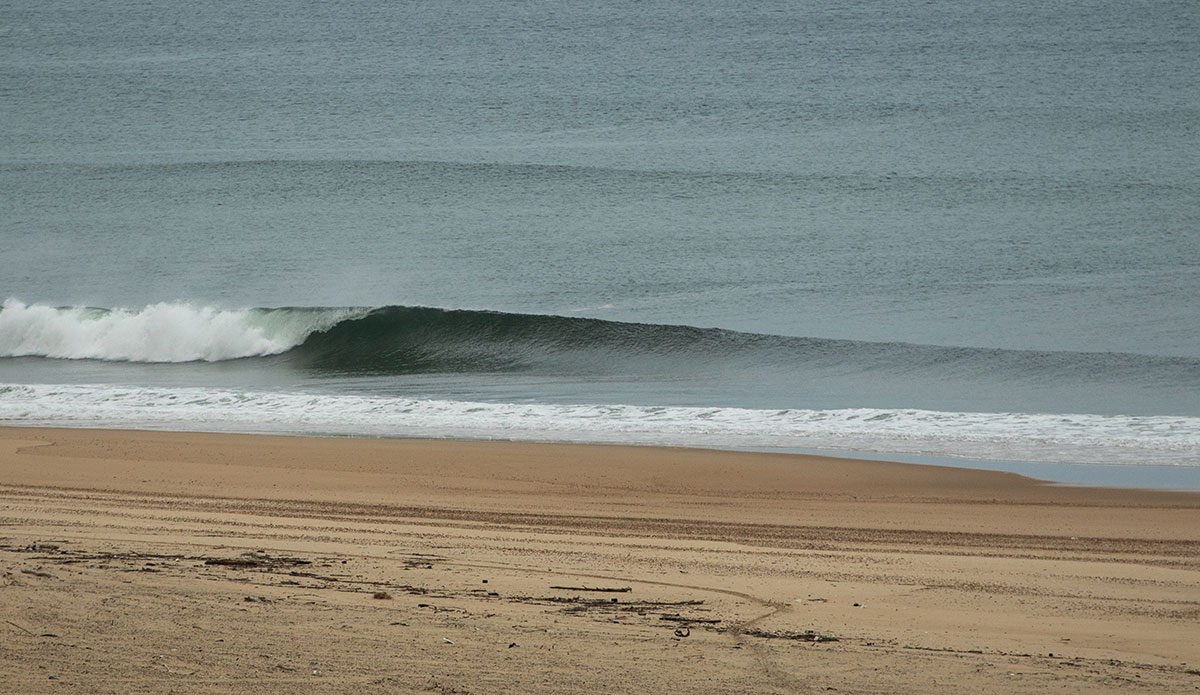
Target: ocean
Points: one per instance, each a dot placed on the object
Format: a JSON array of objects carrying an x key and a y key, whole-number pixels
[{"x": 935, "y": 232}]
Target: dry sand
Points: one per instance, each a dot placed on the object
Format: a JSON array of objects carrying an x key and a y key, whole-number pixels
[{"x": 193, "y": 563}]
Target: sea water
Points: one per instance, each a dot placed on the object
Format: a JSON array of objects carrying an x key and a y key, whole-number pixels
[{"x": 935, "y": 230}]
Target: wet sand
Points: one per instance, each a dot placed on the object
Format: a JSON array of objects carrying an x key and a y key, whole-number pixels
[{"x": 197, "y": 563}]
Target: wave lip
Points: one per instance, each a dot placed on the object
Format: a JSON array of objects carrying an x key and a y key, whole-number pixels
[{"x": 163, "y": 332}]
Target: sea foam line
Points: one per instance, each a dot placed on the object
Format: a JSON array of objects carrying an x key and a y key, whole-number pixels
[{"x": 1061, "y": 438}]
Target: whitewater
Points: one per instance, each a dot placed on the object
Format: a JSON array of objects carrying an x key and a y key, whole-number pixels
[
  {"x": 163, "y": 332},
  {"x": 1058, "y": 438}
]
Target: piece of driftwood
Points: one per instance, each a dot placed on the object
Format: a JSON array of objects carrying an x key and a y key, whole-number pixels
[{"x": 612, "y": 589}]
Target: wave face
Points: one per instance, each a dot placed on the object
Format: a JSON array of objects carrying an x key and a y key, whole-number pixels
[
  {"x": 1061, "y": 438},
  {"x": 403, "y": 340}
]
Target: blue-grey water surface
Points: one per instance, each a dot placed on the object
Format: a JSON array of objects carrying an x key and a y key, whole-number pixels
[{"x": 962, "y": 208}]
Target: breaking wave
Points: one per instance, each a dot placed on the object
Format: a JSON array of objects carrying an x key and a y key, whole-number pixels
[{"x": 418, "y": 340}]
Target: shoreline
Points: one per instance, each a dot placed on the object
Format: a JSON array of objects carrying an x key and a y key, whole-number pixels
[
  {"x": 210, "y": 562},
  {"x": 1162, "y": 477},
  {"x": 1108, "y": 475}
]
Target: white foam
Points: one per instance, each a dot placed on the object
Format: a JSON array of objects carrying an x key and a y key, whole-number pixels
[
  {"x": 1060, "y": 438},
  {"x": 164, "y": 332}
]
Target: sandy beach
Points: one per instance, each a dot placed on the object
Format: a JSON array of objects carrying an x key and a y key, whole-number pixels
[{"x": 199, "y": 563}]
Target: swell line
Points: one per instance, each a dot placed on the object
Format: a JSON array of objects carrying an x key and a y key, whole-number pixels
[{"x": 401, "y": 340}]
